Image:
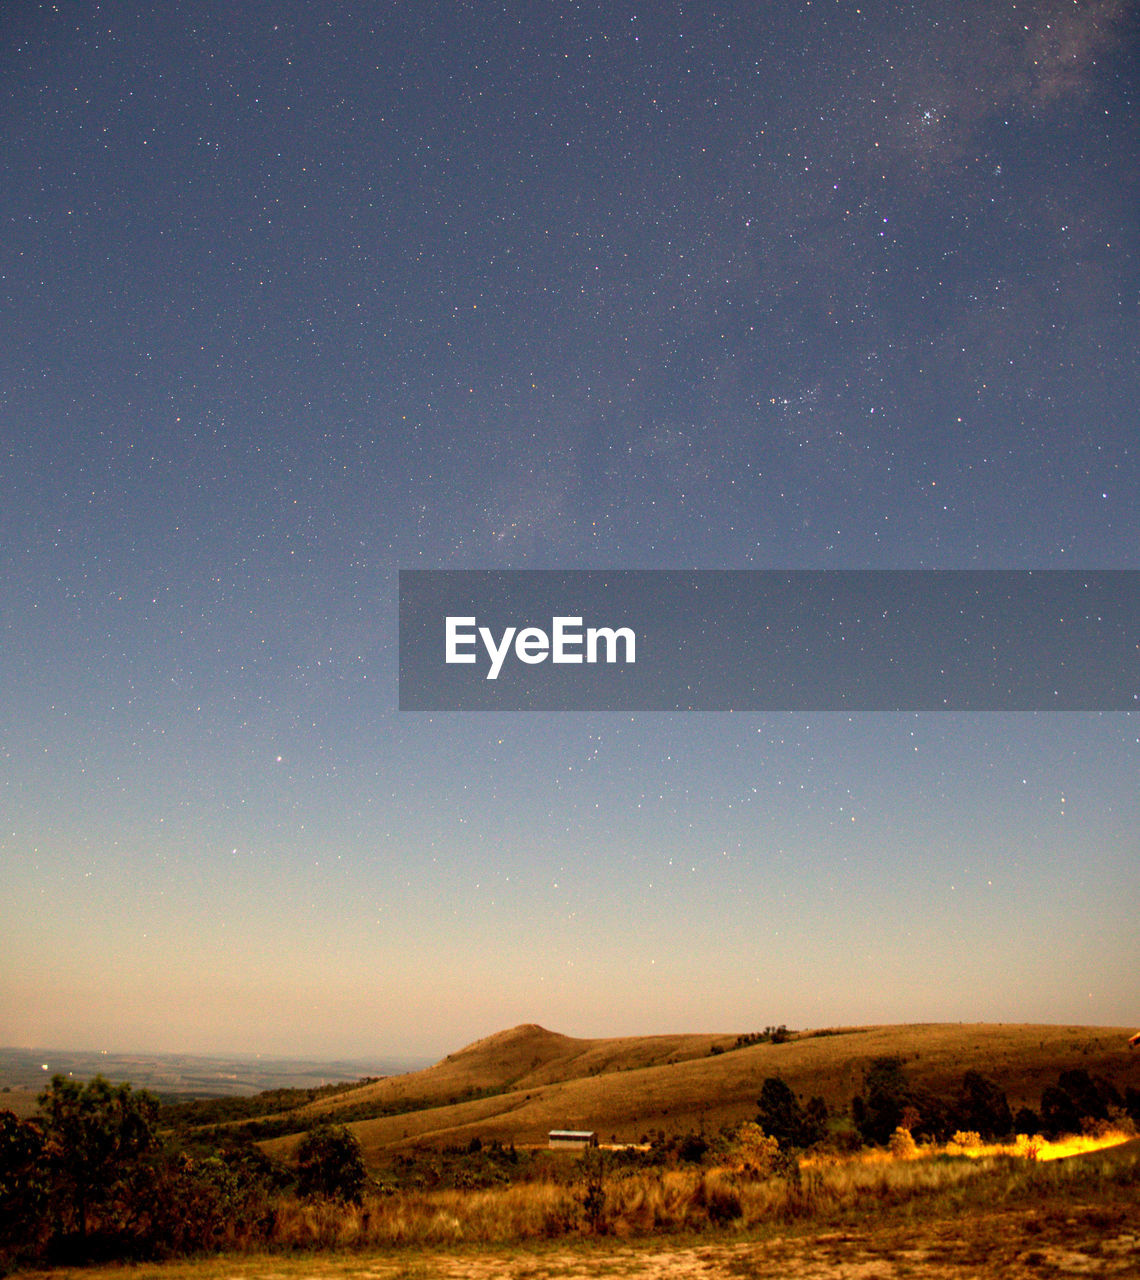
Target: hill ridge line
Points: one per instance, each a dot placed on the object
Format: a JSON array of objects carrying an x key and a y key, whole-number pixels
[{"x": 627, "y": 1086}]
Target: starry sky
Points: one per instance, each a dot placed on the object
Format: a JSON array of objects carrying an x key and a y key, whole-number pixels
[{"x": 294, "y": 296}]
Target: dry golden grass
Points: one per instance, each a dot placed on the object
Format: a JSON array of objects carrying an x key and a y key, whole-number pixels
[
  {"x": 624, "y": 1088},
  {"x": 523, "y": 1058},
  {"x": 932, "y": 1216},
  {"x": 694, "y": 1199},
  {"x": 1039, "y": 1149}
]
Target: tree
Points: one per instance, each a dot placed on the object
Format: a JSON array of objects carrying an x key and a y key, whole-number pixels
[
  {"x": 329, "y": 1164},
  {"x": 782, "y": 1116},
  {"x": 23, "y": 1185},
  {"x": 96, "y": 1135},
  {"x": 982, "y": 1107},
  {"x": 889, "y": 1101},
  {"x": 878, "y": 1112},
  {"x": 1059, "y": 1113},
  {"x": 1027, "y": 1121},
  {"x": 1077, "y": 1098},
  {"x": 816, "y": 1121},
  {"x": 1094, "y": 1097}
]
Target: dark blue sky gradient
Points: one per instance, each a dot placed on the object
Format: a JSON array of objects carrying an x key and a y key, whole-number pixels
[{"x": 293, "y": 296}]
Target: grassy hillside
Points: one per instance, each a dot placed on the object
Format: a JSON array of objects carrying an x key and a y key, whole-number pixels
[
  {"x": 522, "y": 1059},
  {"x": 517, "y": 1085}
]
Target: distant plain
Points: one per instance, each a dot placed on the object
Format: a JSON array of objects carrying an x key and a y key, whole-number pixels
[{"x": 24, "y": 1072}]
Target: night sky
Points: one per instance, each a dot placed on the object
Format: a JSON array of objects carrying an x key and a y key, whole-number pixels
[{"x": 294, "y": 296}]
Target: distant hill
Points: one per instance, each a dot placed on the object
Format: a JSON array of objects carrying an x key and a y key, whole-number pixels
[{"x": 516, "y": 1085}]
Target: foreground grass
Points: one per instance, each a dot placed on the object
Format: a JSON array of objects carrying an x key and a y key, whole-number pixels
[
  {"x": 878, "y": 1209},
  {"x": 690, "y": 1199}
]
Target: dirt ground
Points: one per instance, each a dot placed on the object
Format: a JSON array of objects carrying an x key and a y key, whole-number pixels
[
  {"x": 1076, "y": 1240},
  {"x": 995, "y": 1247}
]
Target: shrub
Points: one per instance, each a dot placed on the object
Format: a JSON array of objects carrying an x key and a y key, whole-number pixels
[
  {"x": 1028, "y": 1146},
  {"x": 593, "y": 1196},
  {"x": 755, "y": 1150},
  {"x": 329, "y": 1164},
  {"x": 693, "y": 1148},
  {"x": 966, "y": 1139},
  {"x": 902, "y": 1144},
  {"x": 185, "y": 1205}
]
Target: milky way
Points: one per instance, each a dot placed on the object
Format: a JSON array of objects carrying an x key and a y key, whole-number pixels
[{"x": 295, "y": 298}]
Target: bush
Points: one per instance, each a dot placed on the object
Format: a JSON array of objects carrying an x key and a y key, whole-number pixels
[
  {"x": 693, "y": 1148},
  {"x": 185, "y": 1205},
  {"x": 902, "y": 1144},
  {"x": 593, "y": 1195},
  {"x": 967, "y": 1139},
  {"x": 755, "y": 1150},
  {"x": 329, "y": 1164},
  {"x": 1028, "y": 1146}
]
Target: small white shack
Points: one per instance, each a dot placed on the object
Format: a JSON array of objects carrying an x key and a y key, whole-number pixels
[{"x": 573, "y": 1139}]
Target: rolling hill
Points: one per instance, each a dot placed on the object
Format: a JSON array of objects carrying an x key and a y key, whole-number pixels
[{"x": 516, "y": 1085}]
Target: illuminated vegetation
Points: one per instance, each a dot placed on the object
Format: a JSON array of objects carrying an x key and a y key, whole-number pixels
[{"x": 99, "y": 1174}]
